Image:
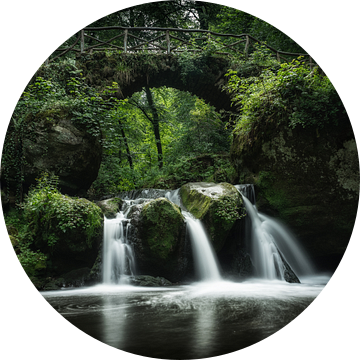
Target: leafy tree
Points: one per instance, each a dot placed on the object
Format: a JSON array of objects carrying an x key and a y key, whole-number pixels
[{"x": 294, "y": 94}]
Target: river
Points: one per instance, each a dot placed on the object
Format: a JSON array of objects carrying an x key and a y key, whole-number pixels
[{"x": 193, "y": 321}]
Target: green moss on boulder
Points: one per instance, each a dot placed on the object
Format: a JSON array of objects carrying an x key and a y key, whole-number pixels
[
  {"x": 217, "y": 205},
  {"x": 158, "y": 235},
  {"x": 162, "y": 221},
  {"x": 307, "y": 177},
  {"x": 68, "y": 230},
  {"x": 110, "y": 207}
]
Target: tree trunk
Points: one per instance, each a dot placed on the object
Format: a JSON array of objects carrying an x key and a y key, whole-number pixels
[
  {"x": 128, "y": 154},
  {"x": 156, "y": 126},
  {"x": 200, "y": 7}
]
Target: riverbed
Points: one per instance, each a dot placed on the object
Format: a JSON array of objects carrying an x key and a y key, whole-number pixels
[{"x": 191, "y": 321}]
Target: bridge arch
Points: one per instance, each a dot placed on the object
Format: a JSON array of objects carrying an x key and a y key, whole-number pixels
[{"x": 201, "y": 76}]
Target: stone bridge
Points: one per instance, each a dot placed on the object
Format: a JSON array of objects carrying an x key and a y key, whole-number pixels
[
  {"x": 152, "y": 56},
  {"x": 202, "y": 76}
]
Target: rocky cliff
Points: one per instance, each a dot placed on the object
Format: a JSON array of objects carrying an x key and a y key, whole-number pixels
[{"x": 309, "y": 178}]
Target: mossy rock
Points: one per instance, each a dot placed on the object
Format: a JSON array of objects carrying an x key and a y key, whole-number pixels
[
  {"x": 162, "y": 221},
  {"x": 14, "y": 241},
  {"x": 12, "y": 230},
  {"x": 68, "y": 230},
  {"x": 307, "y": 177},
  {"x": 218, "y": 206},
  {"x": 158, "y": 235},
  {"x": 110, "y": 207}
]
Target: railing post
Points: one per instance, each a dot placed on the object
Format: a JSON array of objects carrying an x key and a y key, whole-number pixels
[
  {"x": 125, "y": 40},
  {"x": 310, "y": 62},
  {"x": 168, "y": 41},
  {"x": 82, "y": 41},
  {"x": 278, "y": 56},
  {"x": 246, "y": 47}
]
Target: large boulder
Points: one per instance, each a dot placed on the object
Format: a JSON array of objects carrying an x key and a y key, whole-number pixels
[
  {"x": 58, "y": 146},
  {"x": 218, "y": 206},
  {"x": 309, "y": 178},
  {"x": 68, "y": 230},
  {"x": 158, "y": 235}
]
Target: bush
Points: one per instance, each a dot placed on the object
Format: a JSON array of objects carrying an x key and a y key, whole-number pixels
[
  {"x": 294, "y": 94},
  {"x": 32, "y": 261},
  {"x": 52, "y": 216}
]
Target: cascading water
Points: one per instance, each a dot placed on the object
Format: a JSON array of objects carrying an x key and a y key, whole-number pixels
[
  {"x": 265, "y": 255},
  {"x": 273, "y": 248},
  {"x": 271, "y": 242},
  {"x": 118, "y": 256},
  {"x": 204, "y": 256}
]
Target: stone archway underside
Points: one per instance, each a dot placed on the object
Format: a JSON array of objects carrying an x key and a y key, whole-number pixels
[{"x": 204, "y": 77}]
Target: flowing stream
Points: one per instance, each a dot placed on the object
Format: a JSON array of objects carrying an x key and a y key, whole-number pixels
[
  {"x": 271, "y": 242},
  {"x": 208, "y": 318},
  {"x": 205, "y": 260},
  {"x": 118, "y": 255}
]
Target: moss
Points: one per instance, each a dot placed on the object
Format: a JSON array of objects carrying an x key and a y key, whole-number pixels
[
  {"x": 217, "y": 205},
  {"x": 162, "y": 223},
  {"x": 110, "y": 207},
  {"x": 195, "y": 202},
  {"x": 14, "y": 241},
  {"x": 57, "y": 221},
  {"x": 274, "y": 192}
]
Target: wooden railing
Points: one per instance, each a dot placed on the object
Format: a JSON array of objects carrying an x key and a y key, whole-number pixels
[{"x": 166, "y": 41}]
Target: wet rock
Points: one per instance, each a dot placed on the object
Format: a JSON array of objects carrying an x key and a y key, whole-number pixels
[
  {"x": 110, "y": 207},
  {"x": 158, "y": 236},
  {"x": 307, "y": 177},
  {"x": 218, "y": 206},
  {"x": 75, "y": 278},
  {"x": 149, "y": 281}
]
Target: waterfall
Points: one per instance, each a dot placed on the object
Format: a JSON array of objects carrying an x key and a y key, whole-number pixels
[
  {"x": 118, "y": 256},
  {"x": 288, "y": 245},
  {"x": 273, "y": 249},
  {"x": 205, "y": 260},
  {"x": 204, "y": 256},
  {"x": 271, "y": 242}
]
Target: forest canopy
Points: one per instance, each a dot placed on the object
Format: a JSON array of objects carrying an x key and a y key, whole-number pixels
[{"x": 165, "y": 137}]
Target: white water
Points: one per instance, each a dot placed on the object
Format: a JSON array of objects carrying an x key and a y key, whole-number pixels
[
  {"x": 288, "y": 245},
  {"x": 205, "y": 260},
  {"x": 269, "y": 237},
  {"x": 265, "y": 255},
  {"x": 204, "y": 256},
  {"x": 118, "y": 256},
  {"x": 271, "y": 242}
]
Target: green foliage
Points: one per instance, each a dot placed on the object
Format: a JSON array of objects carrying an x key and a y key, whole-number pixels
[
  {"x": 232, "y": 21},
  {"x": 191, "y": 63},
  {"x": 33, "y": 261},
  {"x": 294, "y": 94},
  {"x": 188, "y": 127},
  {"x": 52, "y": 216}
]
